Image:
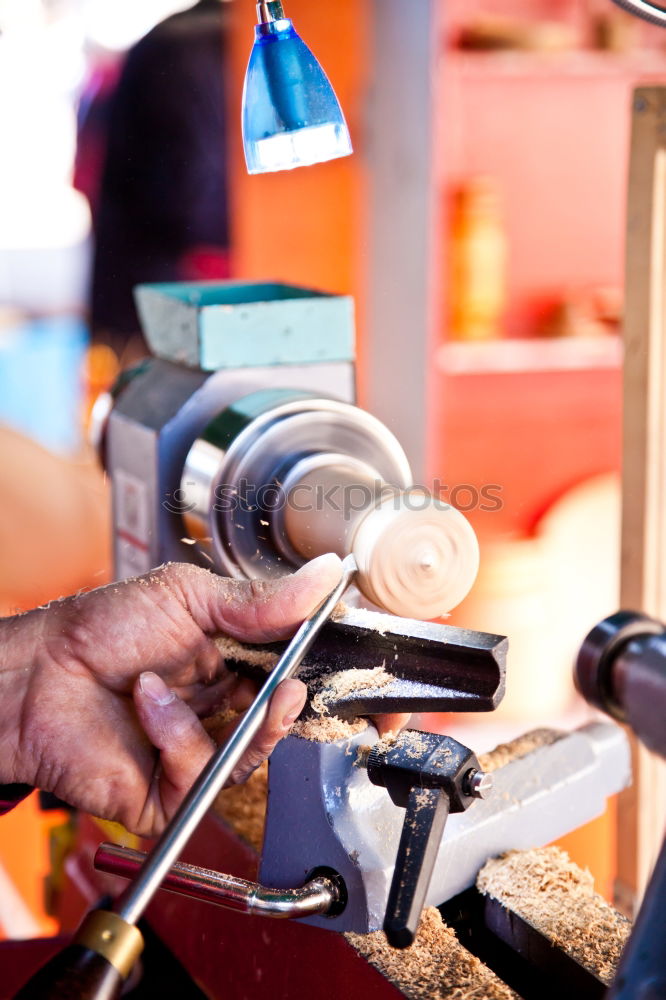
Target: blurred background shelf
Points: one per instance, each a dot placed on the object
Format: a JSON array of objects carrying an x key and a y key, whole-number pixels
[
  {"x": 529, "y": 355},
  {"x": 577, "y": 63}
]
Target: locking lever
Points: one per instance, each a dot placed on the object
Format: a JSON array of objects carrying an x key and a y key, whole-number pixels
[{"x": 429, "y": 776}]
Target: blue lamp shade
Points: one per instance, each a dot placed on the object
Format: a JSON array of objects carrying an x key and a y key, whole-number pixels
[{"x": 291, "y": 116}]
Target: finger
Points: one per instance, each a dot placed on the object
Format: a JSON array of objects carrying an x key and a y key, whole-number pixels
[
  {"x": 185, "y": 748},
  {"x": 285, "y": 707},
  {"x": 231, "y": 692},
  {"x": 256, "y": 610},
  {"x": 390, "y": 723},
  {"x": 243, "y": 694},
  {"x": 204, "y": 699},
  {"x": 173, "y": 728}
]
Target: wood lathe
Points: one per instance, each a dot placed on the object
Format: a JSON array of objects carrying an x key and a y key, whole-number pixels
[{"x": 239, "y": 447}]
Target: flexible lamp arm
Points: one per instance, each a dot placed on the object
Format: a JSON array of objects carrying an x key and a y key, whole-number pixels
[{"x": 269, "y": 10}]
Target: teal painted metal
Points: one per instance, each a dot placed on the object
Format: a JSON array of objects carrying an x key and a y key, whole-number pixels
[
  {"x": 227, "y": 425},
  {"x": 215, "y": 325}
]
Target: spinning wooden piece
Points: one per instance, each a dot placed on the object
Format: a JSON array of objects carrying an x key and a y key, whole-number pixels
[{"x": 417, "y": 556}]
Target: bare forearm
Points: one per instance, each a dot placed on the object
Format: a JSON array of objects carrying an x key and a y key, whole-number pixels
[{"x": 19, "y": 655}]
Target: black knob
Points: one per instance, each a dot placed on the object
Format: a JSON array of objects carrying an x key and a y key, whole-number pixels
[
  {"x": 430, "y": 776},
  {"x": 600, "y": 648}
]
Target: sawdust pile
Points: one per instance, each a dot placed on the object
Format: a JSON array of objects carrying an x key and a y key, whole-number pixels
[
  {"x": 326, "y": 728},
  {"x": 243, "y": 807},
  {"x": 231, "y": 649},
  {"x": 378, "y": 621},
  {"x": 333, "y": 687},
  {"x": 557, "y": 898},
  {"x": 385, "y": 743},
  {"x": 436, "y": 966},
  {"x": 505, "y": 753},
  {"x": 416, "y": 744}
]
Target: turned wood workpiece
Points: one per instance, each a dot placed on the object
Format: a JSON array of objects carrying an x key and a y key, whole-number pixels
[{"x": 417, "y": 556}]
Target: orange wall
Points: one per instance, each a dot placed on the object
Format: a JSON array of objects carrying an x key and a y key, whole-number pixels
[
  {"x": 533, "y": 434},
  {"x": 302, "y": 225}
]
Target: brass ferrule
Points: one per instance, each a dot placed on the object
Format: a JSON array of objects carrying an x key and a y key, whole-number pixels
[
  {"x": 269, "y": 10},
  {"x": 111, "y": 937}
]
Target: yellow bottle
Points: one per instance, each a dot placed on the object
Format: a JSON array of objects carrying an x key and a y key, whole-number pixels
[{"x": 477, "y": 262}]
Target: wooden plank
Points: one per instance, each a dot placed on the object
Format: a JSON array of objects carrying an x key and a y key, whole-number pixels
[
  {"x": 404, "y": 225},
  {"x": 642, "y": 809}
]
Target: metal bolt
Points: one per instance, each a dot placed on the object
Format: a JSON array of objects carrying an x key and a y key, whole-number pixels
[
  {"x": 269, "y": 11},
  {"x": 478, "y": 784}
]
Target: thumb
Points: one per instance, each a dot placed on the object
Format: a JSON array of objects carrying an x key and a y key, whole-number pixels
[
  {"x": 259, "y": 610},
  {"x": 185, "y": 747}
]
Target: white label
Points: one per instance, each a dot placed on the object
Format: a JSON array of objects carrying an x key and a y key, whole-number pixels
[
  {"x": 130, "y": 559},
  {"x": 132, "y": 516},
  {"x": 132, "y": 511}
]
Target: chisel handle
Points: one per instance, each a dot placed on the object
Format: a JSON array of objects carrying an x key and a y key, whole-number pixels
[{"x": 93, "y": 967}]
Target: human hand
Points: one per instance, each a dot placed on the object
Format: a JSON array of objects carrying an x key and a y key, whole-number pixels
[{"x": 100, "y": 694}]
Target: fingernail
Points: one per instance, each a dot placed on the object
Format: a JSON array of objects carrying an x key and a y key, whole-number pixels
[
  {"x": 329, "y": 562},
  {"x": 155, "y": 689}
]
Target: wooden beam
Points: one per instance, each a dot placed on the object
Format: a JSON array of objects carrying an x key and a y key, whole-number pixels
[
  {"x": 404, "y": 224},
  {"x": 642, "y": 809}
]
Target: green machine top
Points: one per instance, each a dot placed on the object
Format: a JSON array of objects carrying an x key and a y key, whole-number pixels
[{"x": 235, "y": 324}]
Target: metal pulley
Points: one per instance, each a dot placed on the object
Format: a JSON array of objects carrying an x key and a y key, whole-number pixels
[
  {"x": 240, "y": 472},
  {"x": 281, "y": 476}
]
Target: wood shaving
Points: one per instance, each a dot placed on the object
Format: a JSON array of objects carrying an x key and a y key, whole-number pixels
[
  {"x": 375, "y": 620},
  {"x": 557, "y": 898},
  {"x": 435, "y": 967},
  {"x": 505, "y": 753},
  {"x": 333, "y": 687},
  {"x": 415, "y": 744},
  {"x": 231, "y": 649},
  {"x": 327, "y": 728},
  {"x": 243, "y": 807},
  {"x": 385, "y": 743}
]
